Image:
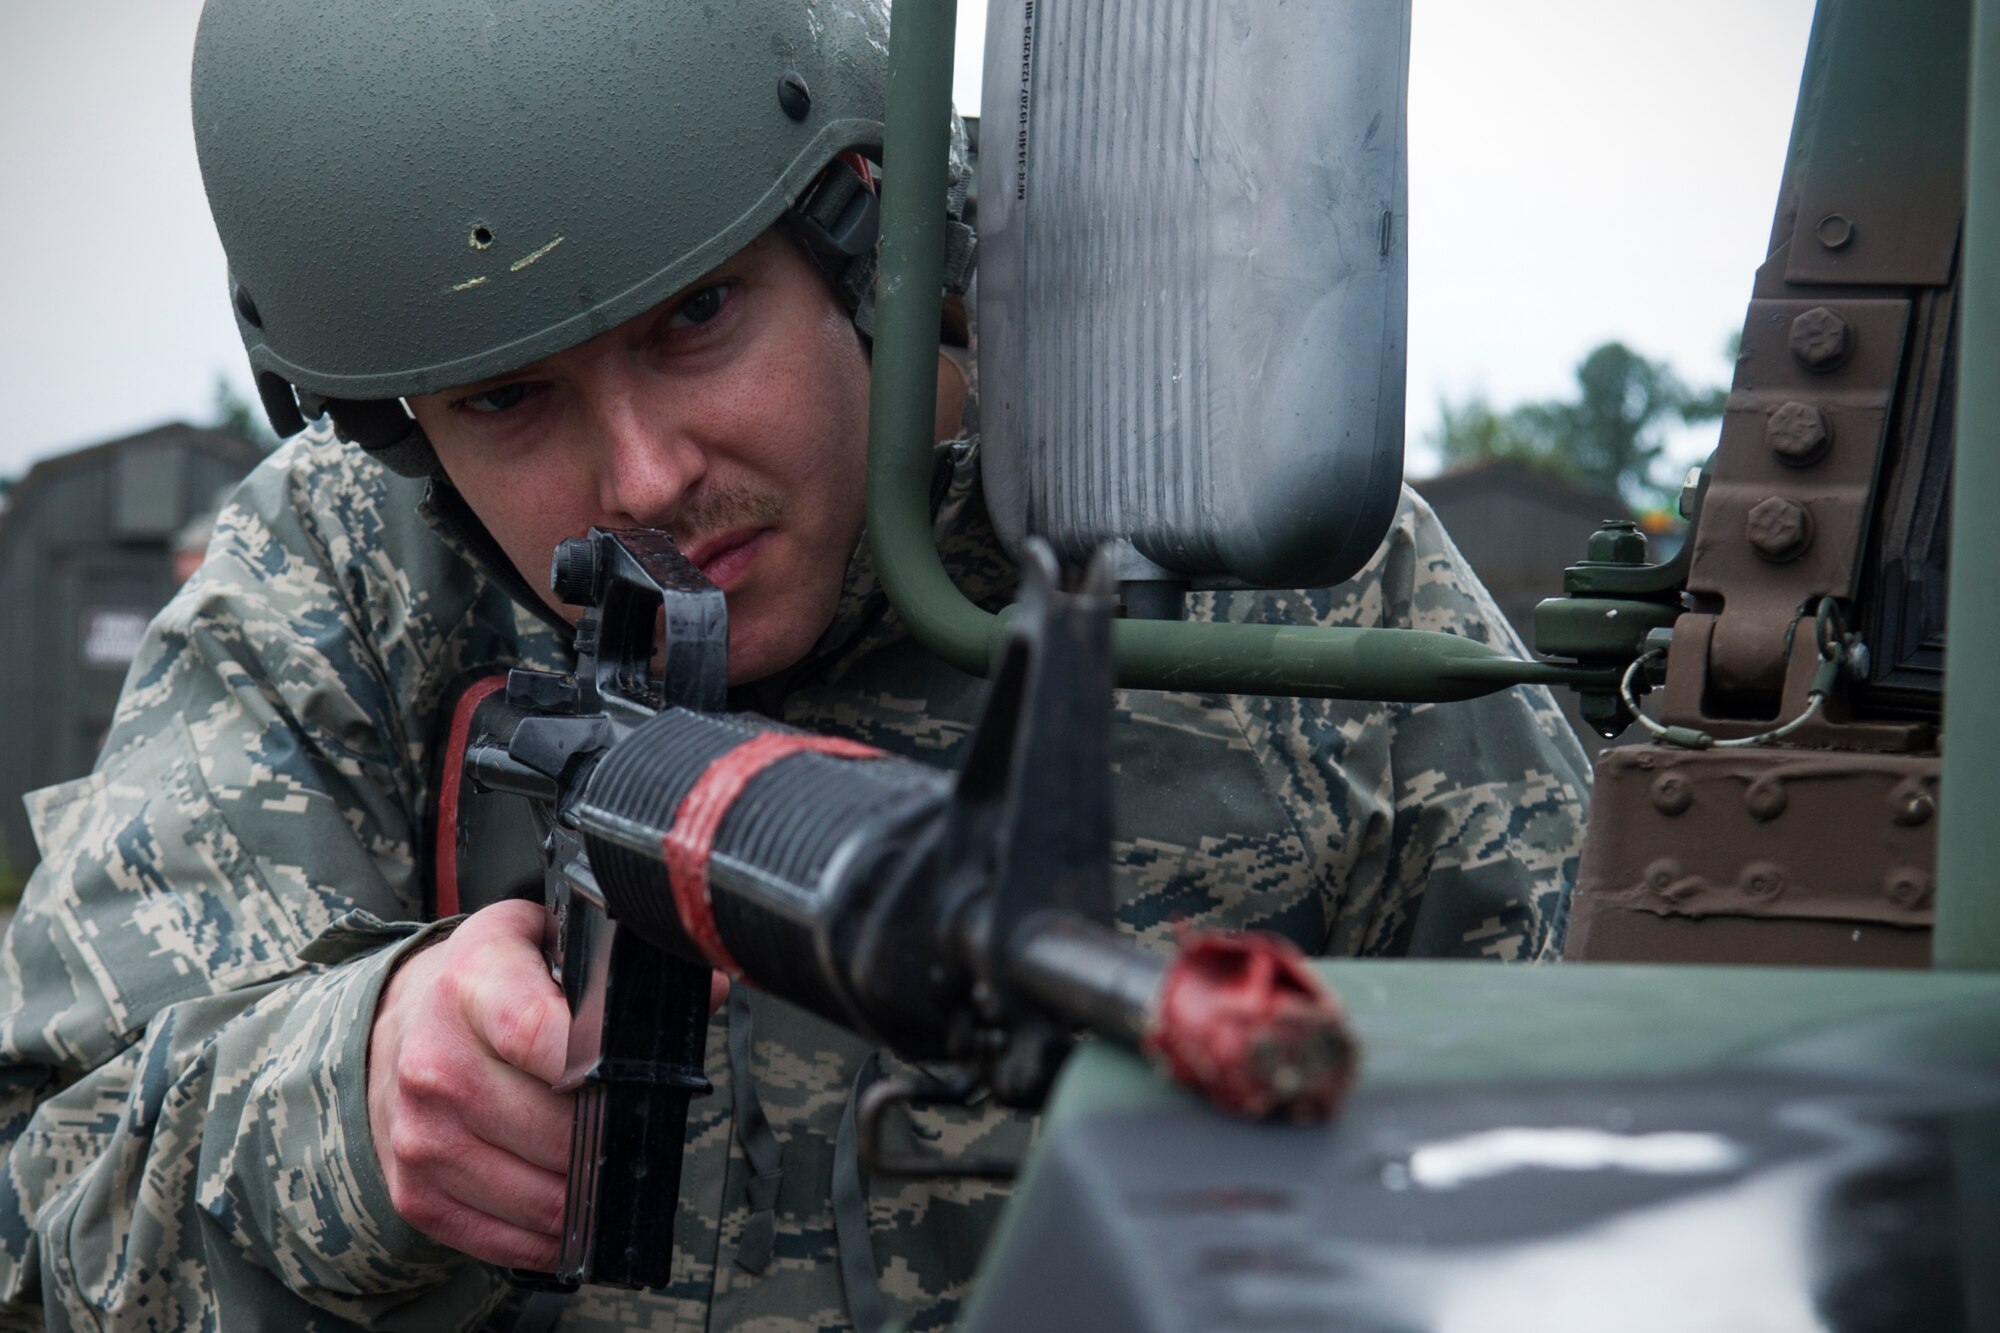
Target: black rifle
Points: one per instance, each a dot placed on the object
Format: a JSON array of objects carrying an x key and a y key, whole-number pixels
[{"x": 965, "y": 921}]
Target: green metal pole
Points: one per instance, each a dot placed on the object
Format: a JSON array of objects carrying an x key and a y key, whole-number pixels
[
  {"x": 1967, "y": 933},
  {"x": 916, "y": 142},
  {"x": 1341, "y": 663}
]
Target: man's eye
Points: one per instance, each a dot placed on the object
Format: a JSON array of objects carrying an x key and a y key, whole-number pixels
[
  {"x": 502, "y": 399},
  {"x": 700, "y": 307}
]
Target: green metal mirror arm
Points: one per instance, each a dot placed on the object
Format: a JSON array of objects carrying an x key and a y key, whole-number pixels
[{"x": 1339, "y": 663}]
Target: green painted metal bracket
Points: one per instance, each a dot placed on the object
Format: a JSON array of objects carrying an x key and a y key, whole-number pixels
[
  {"x": 1341, "y": 663},
  {"x": 1967, "y": 933}
]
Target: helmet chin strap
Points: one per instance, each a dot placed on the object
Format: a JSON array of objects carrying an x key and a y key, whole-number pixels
[
  {"x": 836, "y": 222},
  {"x": 382, "y": 428},
  {"x": 838, "y": 219}
]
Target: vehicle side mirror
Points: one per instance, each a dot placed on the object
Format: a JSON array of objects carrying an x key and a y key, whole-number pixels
[{"x": 1192, "y": 287}]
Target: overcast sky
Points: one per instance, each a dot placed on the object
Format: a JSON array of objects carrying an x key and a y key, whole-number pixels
[{"x": 1580, "y": 170}]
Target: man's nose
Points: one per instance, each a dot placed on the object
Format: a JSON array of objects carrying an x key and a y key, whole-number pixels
[{"x": 647, "y": 461}]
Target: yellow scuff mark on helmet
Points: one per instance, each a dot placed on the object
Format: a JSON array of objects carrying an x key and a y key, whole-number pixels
[
  {"x": 470, "y": 283},
  {"x": 522, "y": 263}
]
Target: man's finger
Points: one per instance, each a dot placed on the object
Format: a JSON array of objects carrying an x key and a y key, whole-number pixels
[
  {"x": 493, "y": 1240},
  {"x": 499, "y": 1185},
  {"x": 515, "y": 1008},
  {"x": 472, "y": 1196},
  {"x": 513, "y": 918},
  {"x": 521, "y": 1116}
]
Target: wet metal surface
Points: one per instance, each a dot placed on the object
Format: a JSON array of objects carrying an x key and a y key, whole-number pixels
[{"x": 1731, "y": 1200}]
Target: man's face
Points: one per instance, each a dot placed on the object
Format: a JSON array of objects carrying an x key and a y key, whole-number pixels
[{"x": 734, "y": 416}]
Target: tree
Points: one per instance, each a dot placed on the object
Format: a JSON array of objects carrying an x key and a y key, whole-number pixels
[
  {"x": 1609, "y": 437},
  {"x": 240, "y": 418},
  {"x": 1472, "y": 432}
]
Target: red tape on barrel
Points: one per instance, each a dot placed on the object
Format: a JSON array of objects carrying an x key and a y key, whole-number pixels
[
  {"x": 451, "y": 777},
  {"x": 690, "y": 842}
]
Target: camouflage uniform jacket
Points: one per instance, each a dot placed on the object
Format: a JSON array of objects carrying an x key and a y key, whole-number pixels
[{"x": 186, "y": 993}]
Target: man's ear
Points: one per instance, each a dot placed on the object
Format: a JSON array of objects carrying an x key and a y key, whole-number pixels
[
  {"x": 952, "y": 388},
  {"x": 954, "y": 325}
]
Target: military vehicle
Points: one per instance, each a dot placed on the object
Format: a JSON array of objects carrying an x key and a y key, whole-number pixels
[{"x": 1764, "y": 1089}]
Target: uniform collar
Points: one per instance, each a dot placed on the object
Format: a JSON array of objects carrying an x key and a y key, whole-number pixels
[{"x": 448, "y": 515}]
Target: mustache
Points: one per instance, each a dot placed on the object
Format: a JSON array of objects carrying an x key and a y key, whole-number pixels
[{"x": 713, "y": 510}]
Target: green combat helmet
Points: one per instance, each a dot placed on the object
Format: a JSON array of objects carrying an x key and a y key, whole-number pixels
[{"x": 428, "y": 193}]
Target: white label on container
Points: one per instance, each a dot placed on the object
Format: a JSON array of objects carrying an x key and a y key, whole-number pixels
[{"x": 111, "y": 638}]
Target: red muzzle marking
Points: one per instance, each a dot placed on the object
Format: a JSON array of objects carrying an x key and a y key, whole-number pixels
[
  {"x": 691, "y": 840},
  {"x": 1243, "y": 1020},
  {"x": 452, "y": 777}
]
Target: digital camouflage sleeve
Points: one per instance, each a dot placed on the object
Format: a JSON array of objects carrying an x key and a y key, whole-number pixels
[{"x": 186, "y": 994}]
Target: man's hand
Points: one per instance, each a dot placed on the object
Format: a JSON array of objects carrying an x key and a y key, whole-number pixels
[{"x": 467, "y": 1038}]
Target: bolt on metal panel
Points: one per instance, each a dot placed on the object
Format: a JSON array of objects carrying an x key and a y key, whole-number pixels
[{"x": 1886, "y": 144}]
